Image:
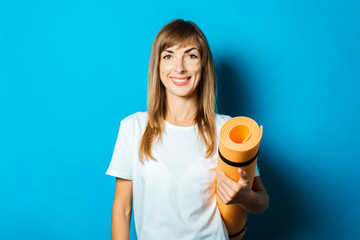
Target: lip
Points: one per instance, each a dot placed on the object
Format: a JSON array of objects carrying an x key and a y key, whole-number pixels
[{"x": 182, "y": 83}]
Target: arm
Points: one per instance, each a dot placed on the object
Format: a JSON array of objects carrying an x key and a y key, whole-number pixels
[
  {"x": 121, "y": 212},
  {"x": 253, "y": 200}
]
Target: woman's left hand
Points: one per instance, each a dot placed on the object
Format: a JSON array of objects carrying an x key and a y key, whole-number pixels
[{"x": 231, "y": 192}]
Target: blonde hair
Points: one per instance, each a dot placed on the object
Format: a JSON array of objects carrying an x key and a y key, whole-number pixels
[{"x": 182, "y": 33}]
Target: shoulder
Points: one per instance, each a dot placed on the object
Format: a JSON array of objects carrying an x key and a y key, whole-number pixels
[
  {"x": 221, "y": 119},
  {"x": 138, "y": 117},
  {"x": 135, "y": 123}
]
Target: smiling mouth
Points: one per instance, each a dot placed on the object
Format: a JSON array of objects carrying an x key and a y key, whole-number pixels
[{"x": 180, "y": 79}]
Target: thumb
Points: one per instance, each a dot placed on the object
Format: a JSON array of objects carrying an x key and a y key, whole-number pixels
[{"x": 243, "y": 175}]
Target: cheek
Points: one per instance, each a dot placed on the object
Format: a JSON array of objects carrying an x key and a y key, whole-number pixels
[
  {"x": 196, "y": 70},
  {"x": 162, "y": 71}
]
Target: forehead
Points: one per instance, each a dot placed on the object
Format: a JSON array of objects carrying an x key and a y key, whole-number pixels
[
  {"x": 180, "y": 48},
  {"x": 180, "y": 42}
]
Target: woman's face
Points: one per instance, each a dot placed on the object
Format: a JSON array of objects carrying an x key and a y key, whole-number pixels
[{"x": 180, "y": 70}]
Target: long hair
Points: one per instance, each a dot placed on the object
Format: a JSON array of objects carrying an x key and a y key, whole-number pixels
[{"x": 182, "y": 33}]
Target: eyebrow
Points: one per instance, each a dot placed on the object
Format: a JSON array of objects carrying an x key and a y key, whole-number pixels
[{"x": 188, "y": 50}]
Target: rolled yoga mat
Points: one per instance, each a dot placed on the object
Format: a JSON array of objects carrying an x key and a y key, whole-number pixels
[{"x": 239, "y": 142}]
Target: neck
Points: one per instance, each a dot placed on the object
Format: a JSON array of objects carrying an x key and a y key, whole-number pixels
[{"x": 181, "y": 111}]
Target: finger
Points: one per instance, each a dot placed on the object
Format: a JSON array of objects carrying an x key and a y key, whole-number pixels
[
  {"x": 227, "y": 193},
  {"x": 224, "y": 189},
  {"x": 226, "y": 180},
  {"x": 221, "y": 196},
  {"x": 220, "y": 181},
  {"x": 228, "y": 189},
  {"x": 232, "y": 188},
  {"x": 244, "y": 178},
  {"x": 242, "y": 173}
]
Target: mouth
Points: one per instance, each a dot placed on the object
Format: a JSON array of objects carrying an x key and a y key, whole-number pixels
[{"x": 180, "y": 81}]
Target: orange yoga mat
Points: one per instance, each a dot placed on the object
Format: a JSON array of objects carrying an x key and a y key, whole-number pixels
[{"x": 239, "y": 142}]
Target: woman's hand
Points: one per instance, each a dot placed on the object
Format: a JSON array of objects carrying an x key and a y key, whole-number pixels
[
  {"x": 231, "y": 192},
  {"x": 253, "y": 200}
]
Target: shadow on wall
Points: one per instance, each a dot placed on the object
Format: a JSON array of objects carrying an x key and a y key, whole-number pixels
[
  {"x": 283, "y": 218},
  {"x": 285, "y": 215},
  {"x": 233, "y": 97}
]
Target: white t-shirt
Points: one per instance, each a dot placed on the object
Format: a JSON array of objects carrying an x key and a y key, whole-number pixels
[{"x": 174, "y": 196}]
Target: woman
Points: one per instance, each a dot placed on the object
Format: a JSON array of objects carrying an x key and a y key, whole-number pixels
[{"x": 165, "y": 159}]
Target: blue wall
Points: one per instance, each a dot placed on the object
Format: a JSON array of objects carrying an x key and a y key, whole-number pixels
[{"x": 71, "y": 70}]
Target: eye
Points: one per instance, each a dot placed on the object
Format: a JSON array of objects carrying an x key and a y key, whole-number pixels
[
  {"x": 192, "y": 56},
  {"x": 167, "y": 56}
]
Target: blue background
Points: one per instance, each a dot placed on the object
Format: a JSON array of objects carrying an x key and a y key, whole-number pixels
[{"x": 71, "y": 70}]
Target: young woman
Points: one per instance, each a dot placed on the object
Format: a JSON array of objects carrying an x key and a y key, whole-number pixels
[{"x": 165, "y": 159}]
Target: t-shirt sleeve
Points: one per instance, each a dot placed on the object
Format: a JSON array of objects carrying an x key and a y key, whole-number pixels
[
  {"x": 122, "y": 159},
  {"x": 257, "y": 173}
]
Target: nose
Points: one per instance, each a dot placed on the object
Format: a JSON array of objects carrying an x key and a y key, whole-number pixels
[{"x": 180, "y": 66}]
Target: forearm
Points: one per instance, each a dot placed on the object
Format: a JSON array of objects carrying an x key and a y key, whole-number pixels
[
  {"x": 121, "y": 210},
  {"x": 120, "y": 225},
  {"x": 257, "y": 202}
]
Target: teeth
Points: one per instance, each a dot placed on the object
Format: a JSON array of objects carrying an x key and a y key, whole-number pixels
[{"x": 180, "y": 80}]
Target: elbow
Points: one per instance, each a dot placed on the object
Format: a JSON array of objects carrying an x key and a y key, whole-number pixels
[
  {"x": 124, "y": 212},
  {"x": 258, "y": 209},
  {"x": 262, "y": 208},
  {"x": 120, "y": 209}
]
